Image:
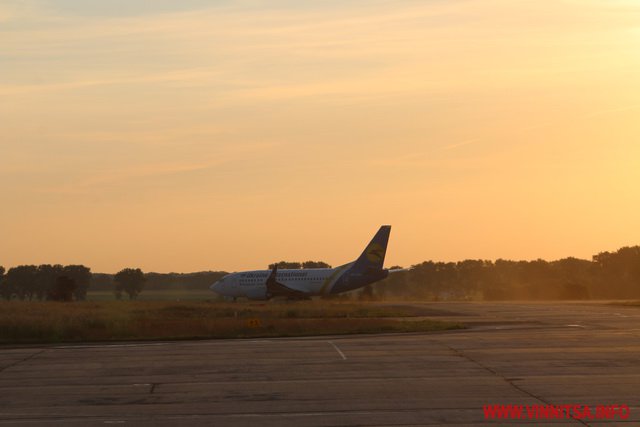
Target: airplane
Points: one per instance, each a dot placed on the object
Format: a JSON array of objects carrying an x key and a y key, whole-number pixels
[{"x": 305, "y": 283}]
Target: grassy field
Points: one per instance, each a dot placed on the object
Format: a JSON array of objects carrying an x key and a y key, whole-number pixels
[
  {"x": 50, "y": 322},
  {"x": 627, "y": 303},
  {"x": 158, "y": 295}
]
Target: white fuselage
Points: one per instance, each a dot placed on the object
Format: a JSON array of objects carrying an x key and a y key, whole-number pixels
[
  {"x": 252, "y": 284},
  {"x": 304, "y": 283}
]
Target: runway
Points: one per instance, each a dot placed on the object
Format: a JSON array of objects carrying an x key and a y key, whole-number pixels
[{"x": 513, "y": 353}]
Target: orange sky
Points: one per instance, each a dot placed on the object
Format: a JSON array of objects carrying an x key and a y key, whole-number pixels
[{"x": 220, "y": 135}]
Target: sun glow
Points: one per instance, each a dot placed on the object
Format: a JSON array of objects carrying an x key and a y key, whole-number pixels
[{"x": 185, "y": 136}]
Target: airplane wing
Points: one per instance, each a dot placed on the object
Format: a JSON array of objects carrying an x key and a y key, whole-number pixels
[
  {"x": 278, "y": 289},
  {"x": 398, "y": 270}
]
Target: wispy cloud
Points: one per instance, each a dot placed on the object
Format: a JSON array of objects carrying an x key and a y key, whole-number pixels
[
  {"x": 144, "y": 171},
  {"x": 256, "y": 51},
  {"x": 612, "y": 111},
  {"x": 461, "y": 144},
  {"x": 423, "y": 158},
  {"x": 182, "y": 77}
]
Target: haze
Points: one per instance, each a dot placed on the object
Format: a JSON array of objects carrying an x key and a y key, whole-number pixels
[{"x": 220, "y": 135}]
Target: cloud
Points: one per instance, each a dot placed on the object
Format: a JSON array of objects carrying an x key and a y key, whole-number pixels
[
  {"x": 11, "y": 10},
  {"x": 610, "y": 111},
  {"x": 251, "y": 51},
  {"x": 461, "y": 144},
  {"x": 178, "y": 76}
]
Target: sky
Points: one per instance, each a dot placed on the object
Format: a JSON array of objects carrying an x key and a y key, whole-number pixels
[{"x": 225, "y": 135}]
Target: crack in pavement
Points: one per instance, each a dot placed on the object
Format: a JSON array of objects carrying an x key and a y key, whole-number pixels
[
  {"x": 509, "y": 381},
  {"x": 25, "y": 359}
]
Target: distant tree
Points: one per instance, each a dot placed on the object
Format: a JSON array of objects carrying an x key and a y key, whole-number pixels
[
  {"x": 101, "y": 281},
  {"x": 315, "y": 264},
  {"x": 502, "y": 279},
  {"x": 472, "y": 276},
  {"x": 81, "y": 275},
  {"x": 422, "y": 281},
  {"x": 129, "y": 280},
  {"x": 367, "y": 294},
  {"x": 291, "y": 265},
  {"x": 3, "y": 287},
  {"x": 62, "y": 290},
  {"x": 618, "y": 273},
  {"x": 184, "y": 281},
  {"x": 21, "y": 281},
  {"x": 575, "y": 291},
  {"x": 396, "y": 285},
  {"x": 286, "y": 265},
  {"x": 45, "y": 280},
  {"x": 575, "y": 278}
]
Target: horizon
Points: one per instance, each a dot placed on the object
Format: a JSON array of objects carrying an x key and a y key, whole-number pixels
[
  {"x": 435, "y": 261},
  {"x": 192, "y": 136}
]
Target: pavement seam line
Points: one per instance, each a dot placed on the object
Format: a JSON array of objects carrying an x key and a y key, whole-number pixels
[
  {"x": 25, "y": 359},
  {"x": 507, "y": 380},
  {"x": 338, "y": 350}
]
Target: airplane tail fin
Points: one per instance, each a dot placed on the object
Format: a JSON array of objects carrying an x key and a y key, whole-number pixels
[
  {"x": 373, "y": 256},
  {"x": 368, "y": 267}
]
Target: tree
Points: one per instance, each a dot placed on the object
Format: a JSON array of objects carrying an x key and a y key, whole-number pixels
[
  {"x": 315, "y": 264},
  {"x": 21, "y": 280},
  {"x": 367, "y": 294},
  {"x": 286, "y": 265},
  {"x": 130, "y": 281},
  {"x": 618, "y": 273},
  {"x": 183, "y": 281},
  {"x": 3, "y": 287},
  {"x": 396, "y": 285},
  {"x": 62, "y": 290},
  {"x": 472, "y": 276},
  {"x": 81, "y": 275},
  {"x": 45, "y": 280}
]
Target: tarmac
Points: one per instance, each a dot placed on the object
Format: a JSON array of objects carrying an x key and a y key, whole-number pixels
[{"x": 512, "y": 354}]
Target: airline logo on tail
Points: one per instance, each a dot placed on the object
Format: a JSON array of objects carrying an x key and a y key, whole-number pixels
[{"x": 375, "y": 253}]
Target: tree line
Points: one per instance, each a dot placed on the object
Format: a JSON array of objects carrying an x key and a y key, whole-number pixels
[
  {"x": 608, "y": 275},
  {"x": 298, "y": 265},
  {"x": 45, "y": 282},
  {"x": 62, "y": 283}
]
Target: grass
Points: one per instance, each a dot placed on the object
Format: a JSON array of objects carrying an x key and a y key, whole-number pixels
[
  {"x": 627, "y": 303},
  {"x": 157, "y": 295},
  {"x": 49, "y": 322}
]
